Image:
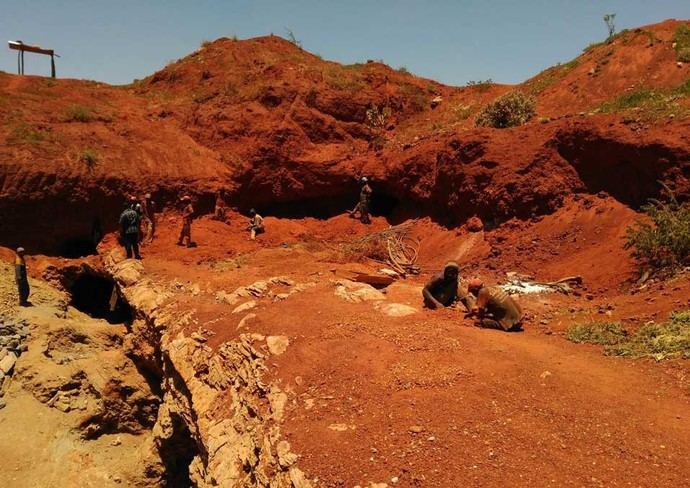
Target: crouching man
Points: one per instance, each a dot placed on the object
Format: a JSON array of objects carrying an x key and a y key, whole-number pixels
[
  {"x": 494, "y": 308},
  {"x": 443, "y": 290}
]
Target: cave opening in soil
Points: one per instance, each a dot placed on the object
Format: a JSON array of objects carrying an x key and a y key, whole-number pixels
[
  {"x": 382, "y": 204},
  {"x": 97, "y": 297},
  {"x": 76, "y": 248}
]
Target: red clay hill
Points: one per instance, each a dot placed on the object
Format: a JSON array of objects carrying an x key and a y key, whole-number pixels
[{"x": 289, "y": 133}]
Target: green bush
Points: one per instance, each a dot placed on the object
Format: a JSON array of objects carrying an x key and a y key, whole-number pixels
[
  {"x": 509, "y": 110},
  {"x": 664, "y": 243}
]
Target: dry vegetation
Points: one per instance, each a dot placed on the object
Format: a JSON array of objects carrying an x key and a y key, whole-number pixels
[{"x": 670, "y": 340}]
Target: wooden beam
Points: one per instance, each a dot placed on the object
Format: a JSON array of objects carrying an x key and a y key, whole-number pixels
[{"x": 20, "y": 46}]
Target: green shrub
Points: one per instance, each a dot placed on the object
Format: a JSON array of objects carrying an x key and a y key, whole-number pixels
[
  {"x": 79, "y": 113},
  {"x": 664, "y": 243},
  {"x": 89, "y": 157},
  {"x": 509, "y": 110},
  {"x": 682, "y": 39}
]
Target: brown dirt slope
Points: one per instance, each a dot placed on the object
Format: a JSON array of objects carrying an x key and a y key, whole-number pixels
[{"x": 288, "y": 132}]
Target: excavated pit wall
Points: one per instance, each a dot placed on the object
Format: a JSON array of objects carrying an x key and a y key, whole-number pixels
[{"x": 218, "y": 423}]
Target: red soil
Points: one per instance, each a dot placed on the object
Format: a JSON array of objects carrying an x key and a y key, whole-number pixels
[
  {"x": 528, "y": 408},
  {"x": 285, "y": 131}
]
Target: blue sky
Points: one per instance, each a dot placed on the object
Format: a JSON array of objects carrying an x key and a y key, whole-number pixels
[{"x": 450, "y": 41}]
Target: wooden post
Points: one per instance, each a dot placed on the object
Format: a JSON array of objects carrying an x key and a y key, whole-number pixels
[{"x": 20, "y": 47}]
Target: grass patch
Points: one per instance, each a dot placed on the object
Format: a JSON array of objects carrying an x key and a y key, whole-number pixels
[
  {"x": 79, "y": 113},
  {"x": 480, "y": 86},
  {"x": 460, "y": 112},
  {"x": 651, "y": 102},
  {"x": 416, "y": 96},
  {"x": 89, "y": 157},
  {"x": 603, "y": 333},
  {"x": 682, "y": 39},
  {"x": 664, "y": 243},
  {"x": 549, "y": 76},
  {"x": 670, "y": 340},
  {"x": 23, "y": 133},
  {"x": 345, "y": 78}
]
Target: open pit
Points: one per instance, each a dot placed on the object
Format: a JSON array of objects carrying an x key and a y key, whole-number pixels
[{"x": 273, "y": 363}]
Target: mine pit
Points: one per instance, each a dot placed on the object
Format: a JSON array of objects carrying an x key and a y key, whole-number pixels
[
  {"x": 97, "y": 296},
  {"x": 76, "y": 248},
  {"x": 307, "y": 357}
]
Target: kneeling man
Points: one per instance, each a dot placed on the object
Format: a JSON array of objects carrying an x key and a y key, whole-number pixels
[{"x": 494, "y": 308}]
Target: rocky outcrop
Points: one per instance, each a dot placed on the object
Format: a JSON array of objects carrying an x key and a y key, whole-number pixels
[{"x": 218, "y": 423}]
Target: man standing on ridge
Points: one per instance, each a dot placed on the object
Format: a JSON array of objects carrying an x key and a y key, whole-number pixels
[
  {"x": 21, "y": 277},
  {"x": 129, "y": 229},
  {"x": 187, "y": 216},
  {"x": 364, "y": 202}
]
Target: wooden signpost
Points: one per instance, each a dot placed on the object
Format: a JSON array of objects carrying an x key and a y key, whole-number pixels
[{"x": 21, "y": 48}]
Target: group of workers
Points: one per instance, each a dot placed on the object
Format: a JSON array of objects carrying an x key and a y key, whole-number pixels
[
  {"x": 138, "y": 222},
  {"x": 491, "y": 306}
]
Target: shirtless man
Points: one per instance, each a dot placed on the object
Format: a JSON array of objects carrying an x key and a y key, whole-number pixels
[
  {"x": 443, "y": 290},
  {"x": 256, "y": 224},
  {"x": 494, "y": 308}
]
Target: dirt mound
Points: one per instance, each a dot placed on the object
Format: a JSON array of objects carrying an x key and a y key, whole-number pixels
[
  {"x": 286, "y": 132},
  {"x": 642, "y": 58}
]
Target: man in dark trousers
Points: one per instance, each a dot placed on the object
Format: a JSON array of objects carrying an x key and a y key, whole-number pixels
[
  {"x": 187, "y": 216},
  {"x": 21, "y": 277},
  {"x": 364, "y": 204},
  {"x": 129, "y": 229}
]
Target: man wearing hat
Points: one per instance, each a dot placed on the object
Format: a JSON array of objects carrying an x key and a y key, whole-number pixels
[
  {"x": 21, "y": 277},
  {"x": 187, "y": 213},
  {"x": 443, "y": 290},
  {"x": 364, "y": 202},
  {"x": 129, "y": 228}
]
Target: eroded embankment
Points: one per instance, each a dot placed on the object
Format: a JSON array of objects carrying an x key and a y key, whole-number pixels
[{"x": 218, "y": 423}]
